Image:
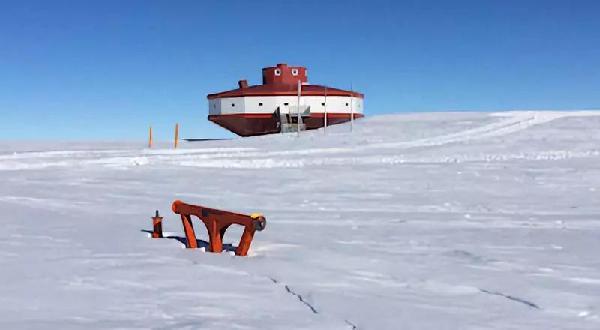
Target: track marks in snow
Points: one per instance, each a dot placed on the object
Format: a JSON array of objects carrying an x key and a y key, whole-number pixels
[
  {"x": 509, "y": 123},
  {"x": 263, "y": 163},
  {"x": 268, "y": 163},
  {"x": 585, "y": 280},
  {"x": 341, "y": 155},
  {"x": 515, "y": 122},
  {"x": 54, "y": 204}
]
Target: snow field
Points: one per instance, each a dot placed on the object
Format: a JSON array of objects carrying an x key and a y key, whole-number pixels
[{"x": 418, "y": 221}]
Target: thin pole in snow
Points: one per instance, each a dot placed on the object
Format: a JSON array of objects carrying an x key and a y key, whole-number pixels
[
  {"x": 281, "y": 119},
  {"x": 325, "y": 116},
  {"x": 351, "y": 109},
  {"x": 176, "y": 136},
  {"x": 298, "y": 109},
  {"x": 150, "y": 137}
]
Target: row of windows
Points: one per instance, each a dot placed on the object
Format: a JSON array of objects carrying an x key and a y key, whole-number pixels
[
  {"x": 285, "y": 104},
  {"x": 294, "y": 72}
]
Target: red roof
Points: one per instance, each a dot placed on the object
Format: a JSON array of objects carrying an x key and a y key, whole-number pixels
[{"x": 284, "y": 90}]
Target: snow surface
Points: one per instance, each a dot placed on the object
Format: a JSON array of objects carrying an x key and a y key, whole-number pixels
[{"x": 418, "y": 221}]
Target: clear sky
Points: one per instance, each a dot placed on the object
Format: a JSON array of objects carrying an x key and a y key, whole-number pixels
[{"x": 107, "y": 69}]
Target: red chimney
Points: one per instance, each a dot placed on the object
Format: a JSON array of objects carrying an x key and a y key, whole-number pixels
[{"x": 243, "y": 84}]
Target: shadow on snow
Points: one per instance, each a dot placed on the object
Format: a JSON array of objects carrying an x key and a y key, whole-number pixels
[{"x": 199, "y": 242}]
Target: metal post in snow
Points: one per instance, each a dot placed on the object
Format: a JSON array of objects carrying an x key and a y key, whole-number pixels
[
  {"x": 176, "y": 140},
  {"x": 298, "y": 109},
  {"x": 325, "y": 122},
  {"x": 351, "y": 109}
]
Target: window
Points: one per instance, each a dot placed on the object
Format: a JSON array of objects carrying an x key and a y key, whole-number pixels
[
  {"x": 286, "y": 104},
  {"x": 260, "y": 104},
  {"x": 294, "y": 72},
  {"x": 323, "y": 104},
  {"x": 233, "y": 104},
  {"x": 346, "y": 103},
  {"x": 277, "y": 72},
  {"x": 214, "y": 105}
]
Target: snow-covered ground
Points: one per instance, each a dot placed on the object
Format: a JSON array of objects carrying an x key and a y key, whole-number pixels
[{"x": 418, "y": 221}]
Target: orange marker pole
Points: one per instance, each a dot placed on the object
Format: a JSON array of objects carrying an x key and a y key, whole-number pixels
[
  {"x": 157, "y": 224},
  {"x": 176, "y": 135},
  {"x": 150, "y": 137}
]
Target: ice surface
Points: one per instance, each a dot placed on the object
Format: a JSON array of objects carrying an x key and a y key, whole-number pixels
[{"x": 418, "y": 221}]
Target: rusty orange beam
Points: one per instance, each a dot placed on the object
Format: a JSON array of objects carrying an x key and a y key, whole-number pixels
[
  {"x": 217, "y": 222},
  {"x": 188, "y": 229}
]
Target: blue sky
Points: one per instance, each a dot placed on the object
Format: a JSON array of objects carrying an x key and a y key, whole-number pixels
[{"x": 105, "y": 70}]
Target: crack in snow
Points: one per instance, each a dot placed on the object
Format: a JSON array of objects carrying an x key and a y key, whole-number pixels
[
  {"x": 354, "y": 327},
  {"x": 513, "y": 298},
  {"x": 297, "y": 295},
  {"x": 306, "y": 303}
]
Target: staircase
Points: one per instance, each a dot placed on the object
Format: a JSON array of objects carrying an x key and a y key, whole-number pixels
[{"x": 289, "y": 121}]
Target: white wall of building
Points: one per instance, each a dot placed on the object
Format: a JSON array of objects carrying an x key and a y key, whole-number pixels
[{"x": 251, "y": 104}]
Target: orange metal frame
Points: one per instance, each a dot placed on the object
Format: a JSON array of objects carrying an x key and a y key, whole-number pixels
[{"x": 217, "y": 222}]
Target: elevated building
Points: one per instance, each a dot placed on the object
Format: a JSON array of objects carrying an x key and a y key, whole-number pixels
[{"x": 273, "y": 106}]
